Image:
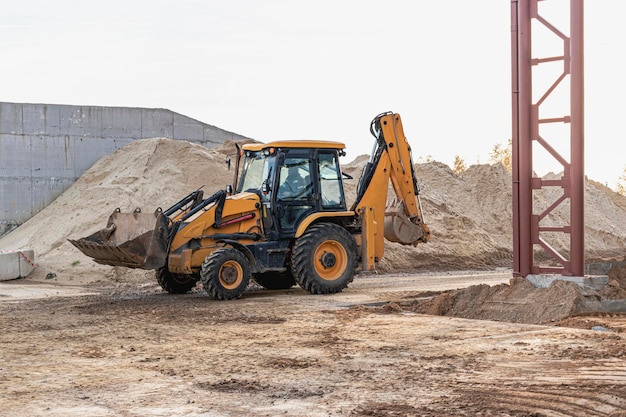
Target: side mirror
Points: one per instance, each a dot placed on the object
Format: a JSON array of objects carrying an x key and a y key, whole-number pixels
[{"x": 265, "y": 187}]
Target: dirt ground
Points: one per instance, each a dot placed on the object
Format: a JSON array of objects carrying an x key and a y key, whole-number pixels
[{"x": 129, "y": 349}]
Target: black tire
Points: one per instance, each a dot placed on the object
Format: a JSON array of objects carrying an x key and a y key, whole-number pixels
[
  {"x": 225, "y": 274},
  {"x": 324, "y": 259},
  {"x": 175, "y": 283},
  {"x": 275, "y": 280}
]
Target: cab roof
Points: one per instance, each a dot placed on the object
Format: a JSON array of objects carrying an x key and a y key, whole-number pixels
[{"x": 301, "y": 144}]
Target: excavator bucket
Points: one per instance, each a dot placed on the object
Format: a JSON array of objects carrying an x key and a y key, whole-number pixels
[
  {"x": 133, "y": 240},
  {"x": 400, "y": 228}
]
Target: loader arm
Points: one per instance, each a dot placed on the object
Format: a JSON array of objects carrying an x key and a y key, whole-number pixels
[{"x": 401, "y": 220}]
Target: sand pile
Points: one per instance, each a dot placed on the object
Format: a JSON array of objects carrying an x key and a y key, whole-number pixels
[
  {"x": 469, "y": 214},
  {"x": 510, "y": 302},
  {"x": 520, "y": 302},
  {"x": 471, "y": 220}
]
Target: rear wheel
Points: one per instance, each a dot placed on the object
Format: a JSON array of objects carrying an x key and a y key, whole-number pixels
[
  {"x": 225, "y": 274},
  {"x": 324, "y": 259},
  {"x": 275, "y": 280},
  {"x": 175, "y": 283}
]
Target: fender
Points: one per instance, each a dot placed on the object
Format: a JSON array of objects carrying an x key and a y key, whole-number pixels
[
  {"x": 254, "y": 267},
  {"x": 304, "y": 224}
]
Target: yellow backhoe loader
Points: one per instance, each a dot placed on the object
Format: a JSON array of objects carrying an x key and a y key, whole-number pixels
[{"x": 283, "y": 222}]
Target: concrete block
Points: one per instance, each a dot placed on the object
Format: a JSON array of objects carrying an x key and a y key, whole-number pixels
[
  {"x": 15, "y": 156},
  {"x": 16, "y": 264},
  {"x": 52, "y": 156},
  {"x": 118, "y": 122},
  {"x": 15, "y": 197},
  {"x": 88, "y": 150},
  {"x": 186, "y": 128},
  {"x": 594, "y": 282},
  {"x": 80, "y": 121},
  {"x": 11, "y": 118},
  {"x": 157, "y": 123},
  {"x": 52, "y": 114},
  {"x": 34, "y": 119},
  {"x": 217, "y": 135}
]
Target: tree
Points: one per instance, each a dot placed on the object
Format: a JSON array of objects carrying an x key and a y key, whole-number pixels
[
  {"x": 459, "y": 165},
  {"x": 501, "y": 155}
]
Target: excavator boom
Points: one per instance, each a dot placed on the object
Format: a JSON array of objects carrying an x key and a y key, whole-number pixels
[{"x": 401, "y": 220}]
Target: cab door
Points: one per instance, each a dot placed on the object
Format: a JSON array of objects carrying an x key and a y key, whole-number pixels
[
  {"x": 295, "y": 191},
  {"x": 332, "y": 197}
]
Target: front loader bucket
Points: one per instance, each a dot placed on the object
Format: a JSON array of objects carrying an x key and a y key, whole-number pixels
[
  {"x": 133, "y": 240},
  {"x": 400, "y": 228}
]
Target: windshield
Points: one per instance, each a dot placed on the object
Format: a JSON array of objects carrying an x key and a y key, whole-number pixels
[{"x": 256, "y": 169}]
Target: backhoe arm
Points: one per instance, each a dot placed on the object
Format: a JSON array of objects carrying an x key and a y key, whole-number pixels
[{"x": 402, "y": 220}]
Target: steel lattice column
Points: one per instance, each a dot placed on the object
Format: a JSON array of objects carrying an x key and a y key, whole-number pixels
[{"x": 528, "y": 116}]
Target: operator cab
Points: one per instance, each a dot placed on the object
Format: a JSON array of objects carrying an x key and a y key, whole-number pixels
[{"x": 293, "y": 179}]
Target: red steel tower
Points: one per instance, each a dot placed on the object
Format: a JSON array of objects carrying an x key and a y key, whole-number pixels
[{"x": 533, "y": 227}]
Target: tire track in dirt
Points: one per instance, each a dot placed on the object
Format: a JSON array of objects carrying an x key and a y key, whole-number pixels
[
  {"x": 544, "y": 400},
  {"x": 545, "y": 365}
]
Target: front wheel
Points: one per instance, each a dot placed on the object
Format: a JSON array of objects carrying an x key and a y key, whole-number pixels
[
  {"x": 324, "y": 259},
  {"x": 175, "y": 283},
  {"x": 225, "y": 274}
]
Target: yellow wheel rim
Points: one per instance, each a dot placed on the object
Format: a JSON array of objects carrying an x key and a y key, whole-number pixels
[
  {"x": 330, "y": 260},
  {"x": 231, "y": 275}
]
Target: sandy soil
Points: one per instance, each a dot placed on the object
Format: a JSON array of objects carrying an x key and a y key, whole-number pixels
[{"x": 131, "y": 350}]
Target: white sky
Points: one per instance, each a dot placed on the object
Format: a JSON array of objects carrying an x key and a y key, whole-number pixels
[{"x": 319, "y": 69}]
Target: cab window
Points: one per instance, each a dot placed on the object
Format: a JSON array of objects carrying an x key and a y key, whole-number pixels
[
  {"x": 294, "y": 181},
  {"x": 329, "y": 174}
]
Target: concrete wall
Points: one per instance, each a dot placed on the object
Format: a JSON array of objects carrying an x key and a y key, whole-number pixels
[{"x": 44, "y": 148}]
